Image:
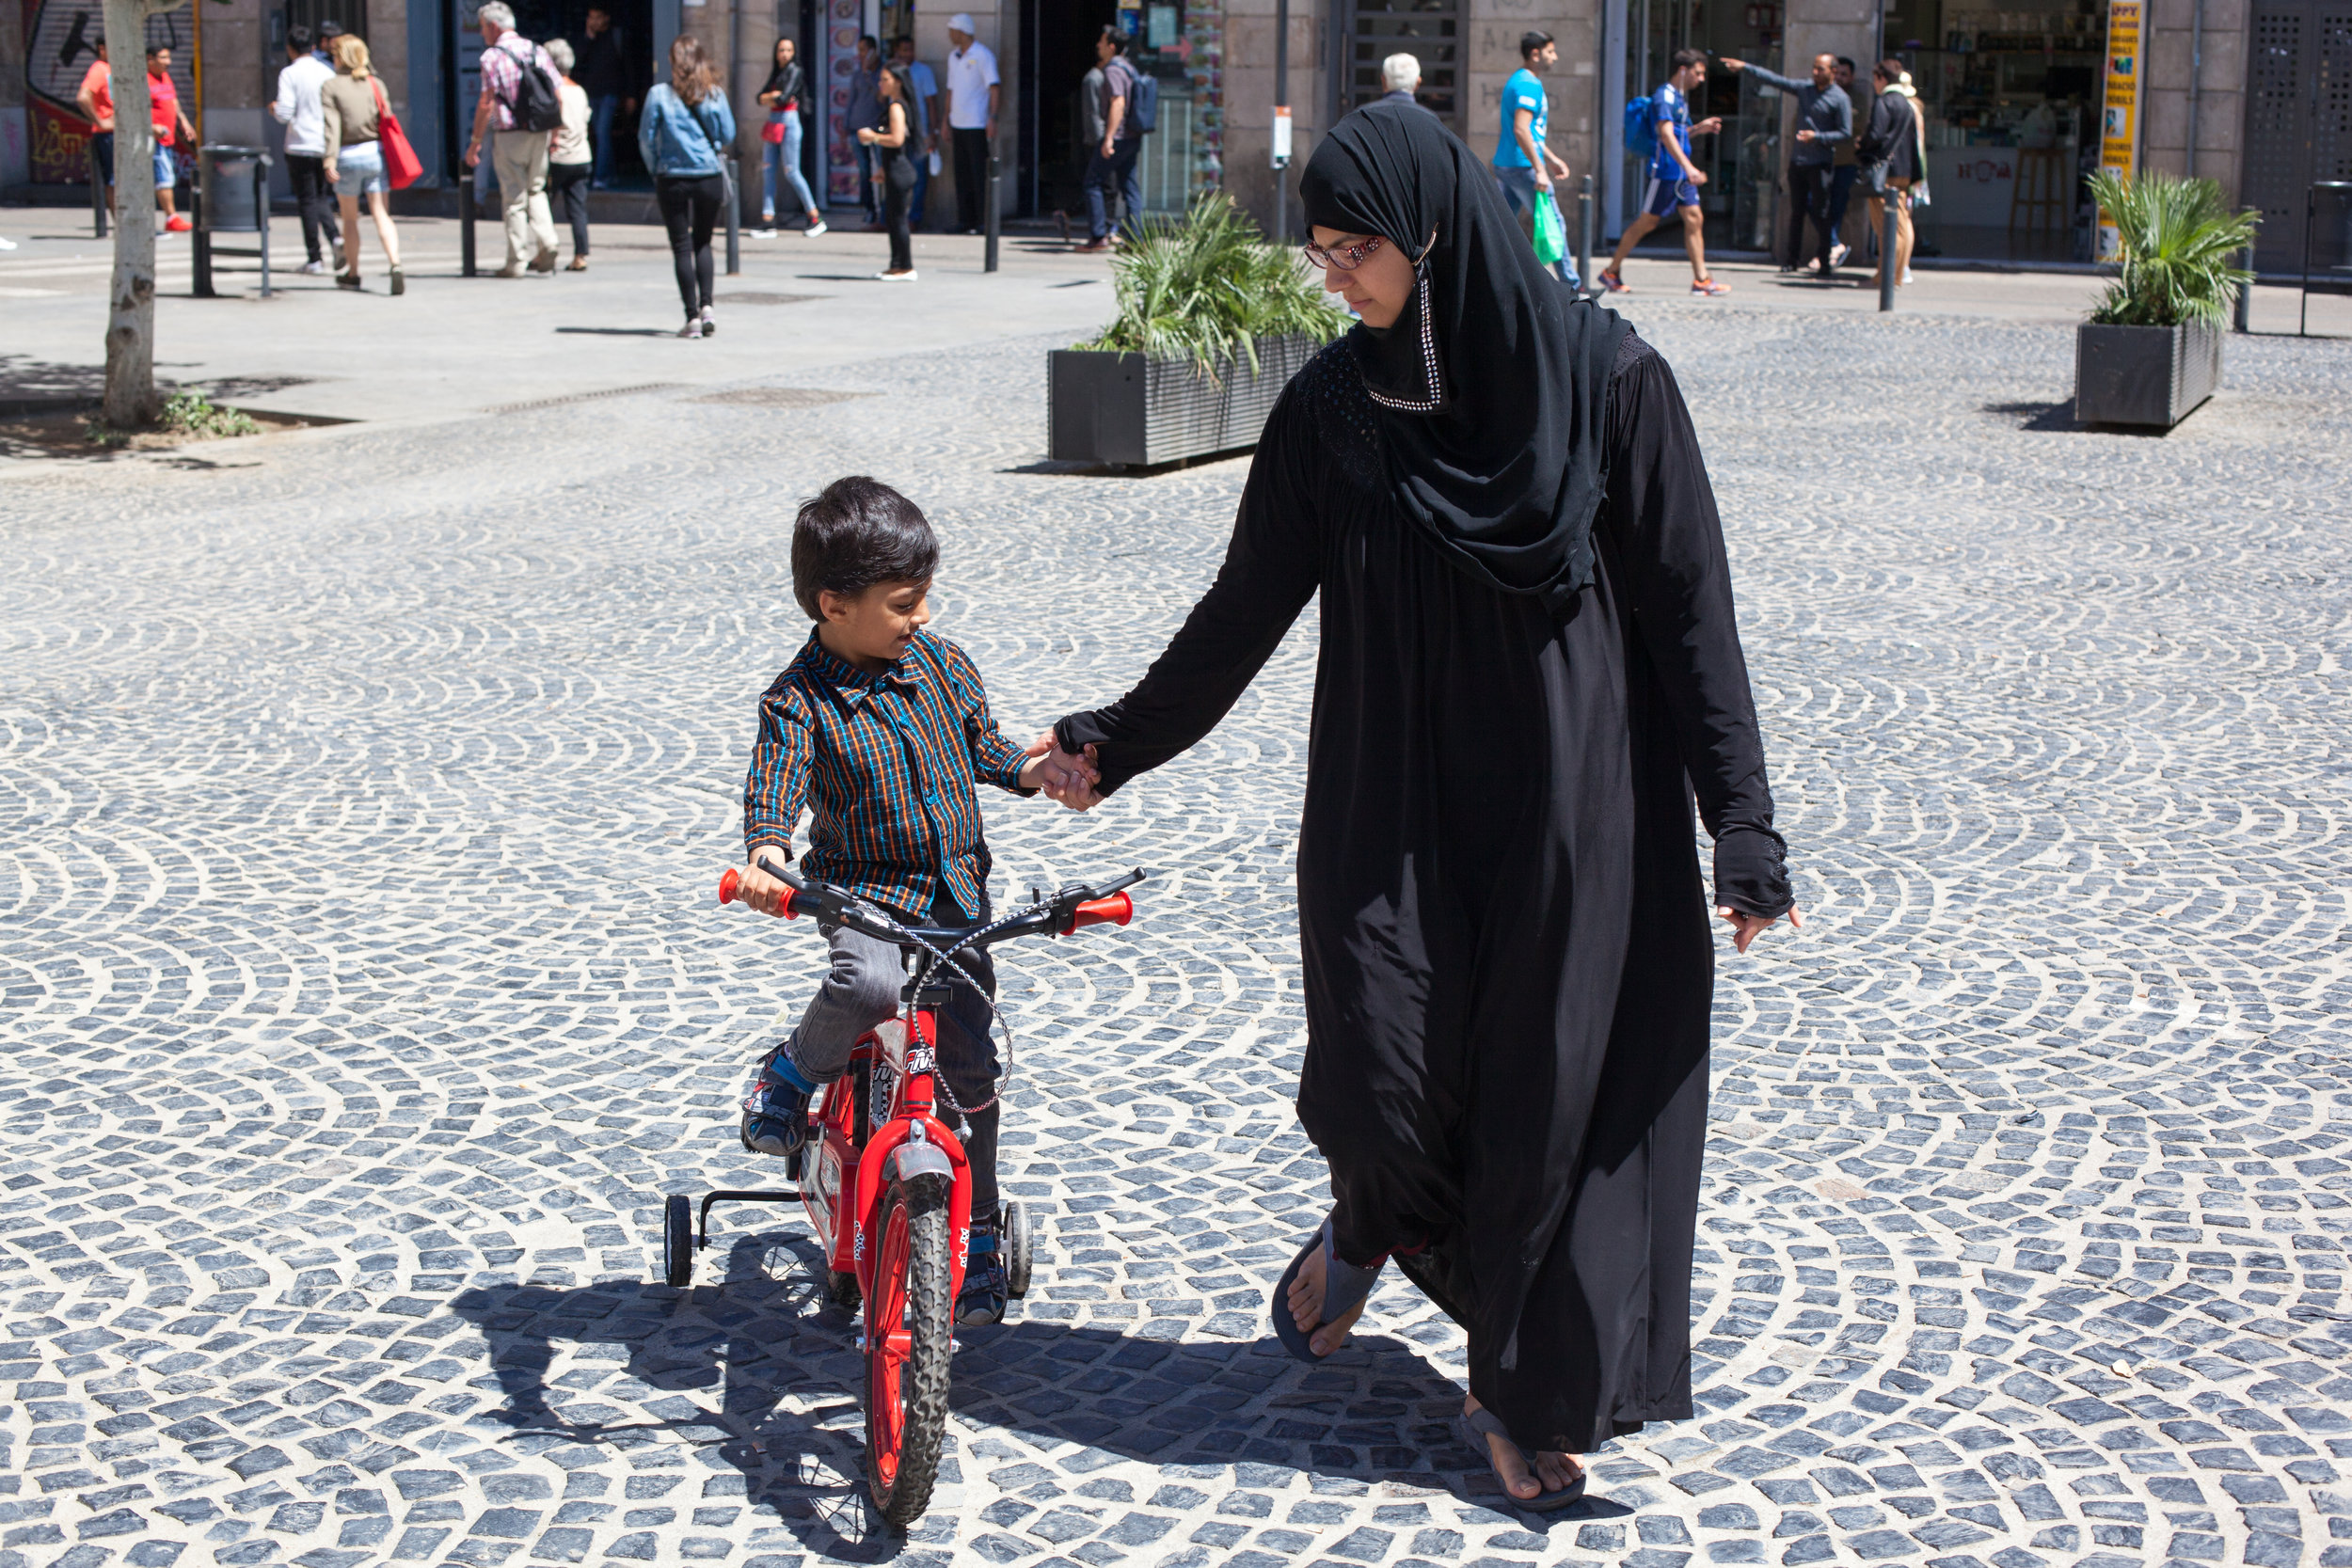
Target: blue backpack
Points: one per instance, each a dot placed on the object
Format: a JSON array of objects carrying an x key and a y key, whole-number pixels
[
  {"x": 1641, "y": 126},
  {"x": 1147, "y": 105}
]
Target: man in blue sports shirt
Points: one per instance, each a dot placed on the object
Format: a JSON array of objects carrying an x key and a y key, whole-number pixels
[
  {"x": 1673, "y": 186},
  {"x": 1523, "y": 164}
]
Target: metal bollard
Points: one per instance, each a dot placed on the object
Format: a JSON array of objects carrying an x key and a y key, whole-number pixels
[
  {"x": 2242, "y": 319},
  {"x": 1889, "y": 269},
  {"x": 995, "y": 167},
  {"x": 1585, "y": 237},
  {"x": 97, "y": 193},
  {"x": 735, "y": 221},
  {"x": 465, "y": 225}
]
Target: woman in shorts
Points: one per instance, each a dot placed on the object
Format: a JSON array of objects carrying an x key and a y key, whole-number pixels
[{"x": 352, "y": 103}]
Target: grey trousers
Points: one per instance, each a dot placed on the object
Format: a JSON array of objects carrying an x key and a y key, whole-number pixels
[{"x": 860, "y": 991}]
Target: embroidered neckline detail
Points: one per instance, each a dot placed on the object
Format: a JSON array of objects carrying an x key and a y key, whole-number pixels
[{"x": 1428, "y": 362}]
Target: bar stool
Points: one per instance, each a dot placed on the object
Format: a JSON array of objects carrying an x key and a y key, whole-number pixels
[{"x": 2038, "y": 195}]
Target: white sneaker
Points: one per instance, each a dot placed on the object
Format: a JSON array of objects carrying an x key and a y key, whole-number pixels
[
  {"x": 766, "y": 232},
  {"x": 1838, "y": 255},
  {"x": 1906, "y": 278},
  {"x": 313, "y": 268},
  {"x": 906, "y": 276},
  {"x": 710, "y": 328},
  {"x": 7, "y": 244},
  {"x": 693, "y": 328},
  {"x": 813, "y": 230}
]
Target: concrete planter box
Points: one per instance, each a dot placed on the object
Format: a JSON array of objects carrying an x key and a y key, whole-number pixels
[
  {"x": 2144, "y": 376},
  {"x": 1128, "y": 410}
]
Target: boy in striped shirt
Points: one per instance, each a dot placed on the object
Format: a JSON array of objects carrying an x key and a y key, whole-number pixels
[{"x": 881, "y": 731}]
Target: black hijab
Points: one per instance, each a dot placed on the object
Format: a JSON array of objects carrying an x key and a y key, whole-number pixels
[{"x": 1490, "y": 386}]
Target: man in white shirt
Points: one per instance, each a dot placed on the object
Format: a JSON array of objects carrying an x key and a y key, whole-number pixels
[
  {"x": 971, "y": 112},
  {"x": 297, "y": 109}
]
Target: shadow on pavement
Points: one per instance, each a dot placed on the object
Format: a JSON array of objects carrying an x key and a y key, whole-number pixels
[{"x": 763, "y": 1381}]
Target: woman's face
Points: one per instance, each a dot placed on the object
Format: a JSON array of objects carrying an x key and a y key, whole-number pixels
[
  {"x": 786, "y": 49},
  {"x": 1378, "y": 286},
  {"x": 888, "y": 85}
]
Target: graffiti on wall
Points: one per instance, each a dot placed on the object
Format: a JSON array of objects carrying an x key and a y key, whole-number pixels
[{"x": 60, "y": 45}]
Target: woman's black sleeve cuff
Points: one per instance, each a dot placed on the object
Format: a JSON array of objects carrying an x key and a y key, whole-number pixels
[{"x": 1752, "y": 872}]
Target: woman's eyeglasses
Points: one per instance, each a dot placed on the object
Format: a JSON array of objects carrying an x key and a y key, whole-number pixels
[{"x": 1347, "y": 258}]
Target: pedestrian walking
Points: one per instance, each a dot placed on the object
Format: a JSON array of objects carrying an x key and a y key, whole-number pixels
[
  {"x": 603, "y": 72},
  {"x": 96, "y": 100},
  {"x": 924, "y": 100},
  {"x": 296, "y": 108},
  {"x": 1507, "y": 967},
  {"x": 1892, "y": 153},
  {"x": 970, "y": 107},
  {"x": 685, "y": 122},
  {"x": 518, "y": 102},
  {"x": 1824, "y": 120},
  {"x": 1845, "y": 167},
  {"x": 1113, "y": 153},
  {"x": 571, "y": 162},
  {"x": 1673, "y": 187},
  {"x": 891, "y": 140},
  {"x": 1523, "y": 164},
  {"x": 864, "y": 109},
  {"x": 352, "y": 109},
  {"x": 1400, "y": 78},
  {"x": 786, "y": 98},
  {"x": 172, "y": 131}
]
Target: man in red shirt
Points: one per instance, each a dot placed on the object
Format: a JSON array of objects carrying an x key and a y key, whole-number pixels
[
  {"x": 171, "y": 126},
  {"x": 97, "y": 102}
]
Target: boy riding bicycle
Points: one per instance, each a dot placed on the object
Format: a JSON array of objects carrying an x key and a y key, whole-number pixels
[{"x": 881, "y": 731}]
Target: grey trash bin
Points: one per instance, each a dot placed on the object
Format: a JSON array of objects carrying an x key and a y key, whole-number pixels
[{"x": 232, "y": 188}]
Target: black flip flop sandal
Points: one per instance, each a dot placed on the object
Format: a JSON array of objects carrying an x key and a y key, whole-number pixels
[
  {"x": 1478, "y": 1425},
  {"x": 1343, "y": 1286}
]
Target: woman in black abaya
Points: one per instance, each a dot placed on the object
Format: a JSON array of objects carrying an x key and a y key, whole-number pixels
[{"x": 1528, "y": 647}]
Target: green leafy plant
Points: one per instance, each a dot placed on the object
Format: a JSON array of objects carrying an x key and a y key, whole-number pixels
[
  {"x": 2181, "y": 246},
  {"x": 192, "y": 414},
  {"x": 1206, "y": 286}
]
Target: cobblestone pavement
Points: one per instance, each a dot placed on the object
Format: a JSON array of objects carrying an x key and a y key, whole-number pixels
[{"x": 364, "y": 992}]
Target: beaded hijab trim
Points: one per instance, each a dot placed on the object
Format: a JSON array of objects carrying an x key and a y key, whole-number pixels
[{"x": 1428, "y": 360}]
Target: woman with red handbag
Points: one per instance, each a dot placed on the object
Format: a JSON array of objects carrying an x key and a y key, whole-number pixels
[
  {"x": 570, "y": 160},
  {"x": 351, "y": 104},
  {"x": 786, "y": 91}
]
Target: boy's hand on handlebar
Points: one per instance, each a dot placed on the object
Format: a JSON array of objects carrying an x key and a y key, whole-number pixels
[
  {"x": 759, "y": 889},
  {"x": 1745, "y": 928},
  {"x": 1067, "y": 777}
]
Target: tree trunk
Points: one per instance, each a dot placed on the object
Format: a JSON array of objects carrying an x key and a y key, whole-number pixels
[{"x": 132, "y": 400}]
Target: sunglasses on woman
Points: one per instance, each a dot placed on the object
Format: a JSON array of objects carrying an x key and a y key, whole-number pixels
[{"x": 1347, "y": 258}]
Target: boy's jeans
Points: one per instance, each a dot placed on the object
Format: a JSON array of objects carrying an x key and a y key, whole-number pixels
[{"x": 861, "y": 990}]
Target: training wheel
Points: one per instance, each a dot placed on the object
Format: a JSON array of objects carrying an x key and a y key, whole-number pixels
[
  {"x": 1020, "y": 1244},
  {"x": 678, "y": 1240}
]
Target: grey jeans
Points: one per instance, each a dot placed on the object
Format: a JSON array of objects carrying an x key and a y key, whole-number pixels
[{"x": 860, "y": 991}]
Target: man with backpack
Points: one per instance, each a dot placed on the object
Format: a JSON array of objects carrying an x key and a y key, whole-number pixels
[
  {"x": 520, "y": 102},
  {"x": 1111, "y": 161},
  {"x": 1660, "y": 126}
]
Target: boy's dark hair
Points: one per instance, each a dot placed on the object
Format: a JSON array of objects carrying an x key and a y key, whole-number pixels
[
  {"x": 1684, "y": 59},
  {"x": 1118, "y": 39},
  {"x": 1851, "y": 67},
  {"x": 298, "y": 39},
  {"x": 1533, "y": 40},
  {"x": 859, "y": 533}
]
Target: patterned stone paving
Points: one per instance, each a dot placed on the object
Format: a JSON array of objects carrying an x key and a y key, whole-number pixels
[{"x": 363, "y": 994}]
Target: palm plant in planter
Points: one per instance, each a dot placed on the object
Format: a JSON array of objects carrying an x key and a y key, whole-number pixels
[
  {"x": 1213, "y": 323},
  {"x": 2152, "y": 350}
]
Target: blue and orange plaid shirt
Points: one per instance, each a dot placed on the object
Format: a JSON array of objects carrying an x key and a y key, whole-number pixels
[{"x": 886, "y": 767}]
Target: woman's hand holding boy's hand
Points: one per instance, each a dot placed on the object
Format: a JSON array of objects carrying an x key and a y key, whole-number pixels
[
  {"x": 1063, "y": 776},
  {"x": 759, "y": 889}
]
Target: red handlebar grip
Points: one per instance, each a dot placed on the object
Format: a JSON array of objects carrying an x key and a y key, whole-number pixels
[
  {"x": 1115, "y": 911},
  {"x": 729, "y": 880}
]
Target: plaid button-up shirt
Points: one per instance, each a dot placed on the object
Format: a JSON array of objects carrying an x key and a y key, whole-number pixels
[
  {"x": 885, "y": 766},
  {"x": 502, "y": 75}
]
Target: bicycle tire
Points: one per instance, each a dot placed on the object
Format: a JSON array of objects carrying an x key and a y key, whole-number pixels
[
  {"x": 1018, "y": 1237},
  {"x": 906, "y": 1360},
  {"x": 678, "y": 1240}
]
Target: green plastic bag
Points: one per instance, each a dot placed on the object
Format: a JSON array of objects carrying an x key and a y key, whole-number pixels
[{"x": 1552, "y": 233}]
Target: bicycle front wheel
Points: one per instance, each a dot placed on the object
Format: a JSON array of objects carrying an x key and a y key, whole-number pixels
[{"x": 909, "y": 1320}]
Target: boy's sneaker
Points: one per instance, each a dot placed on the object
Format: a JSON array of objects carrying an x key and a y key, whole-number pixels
[
  {"x": 985, "y": 1289},
  {"x": 775, "y": 1113}
]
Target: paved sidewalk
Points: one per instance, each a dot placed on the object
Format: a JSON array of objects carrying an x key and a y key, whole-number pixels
[{"x": 364, "y": 991}]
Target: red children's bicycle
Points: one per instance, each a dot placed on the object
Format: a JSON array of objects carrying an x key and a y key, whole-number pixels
[{"x": 889, "y": 1190}]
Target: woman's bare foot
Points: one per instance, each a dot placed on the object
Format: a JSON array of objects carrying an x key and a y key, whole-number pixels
[
  {"x": 1552, "y": 1472},
  {"x": 1305, "y": 1305}
]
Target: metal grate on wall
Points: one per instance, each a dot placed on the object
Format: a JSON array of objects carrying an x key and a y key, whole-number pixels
[
  {"x": 1430, "y": 30},
  {"x": 2299, "y": 117}
]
